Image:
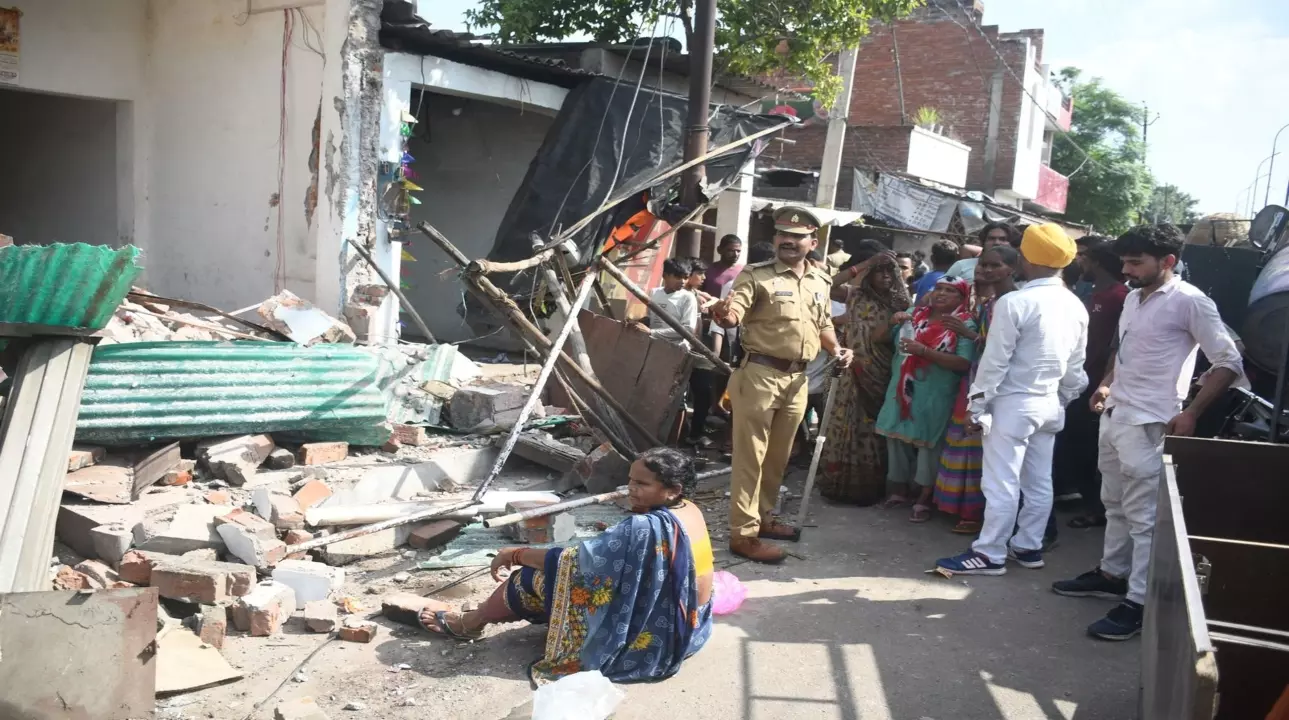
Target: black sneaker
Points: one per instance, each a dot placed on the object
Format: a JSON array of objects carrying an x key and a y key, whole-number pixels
[
  {"x": 1123, "y": 622},
  {"x": 1092, "y": 584}
]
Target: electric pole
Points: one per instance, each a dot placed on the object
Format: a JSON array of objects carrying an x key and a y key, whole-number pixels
[
  {"x": 1146, "y": 122},
  {"x": 703, "y": 43},
  {"x": 830, "y": 167}
]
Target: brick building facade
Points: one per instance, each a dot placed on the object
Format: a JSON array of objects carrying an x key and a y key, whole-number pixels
[{"x": 948, "y": 60}]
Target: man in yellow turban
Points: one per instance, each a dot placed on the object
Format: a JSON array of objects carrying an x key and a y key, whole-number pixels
[{"x": 1032, "y": 367}]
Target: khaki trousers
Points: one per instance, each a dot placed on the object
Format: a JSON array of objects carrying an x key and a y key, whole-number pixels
[{"x": 767, "y": 406}]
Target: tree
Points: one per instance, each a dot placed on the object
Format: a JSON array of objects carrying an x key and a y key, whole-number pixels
[
  {"x": 753, "y": 37},
  {"x": 1169, "y": 204},
  {"x": 1109, "y": 182}
]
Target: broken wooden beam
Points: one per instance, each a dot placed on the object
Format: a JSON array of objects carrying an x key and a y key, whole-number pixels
[{"x": 547, "y": 451}]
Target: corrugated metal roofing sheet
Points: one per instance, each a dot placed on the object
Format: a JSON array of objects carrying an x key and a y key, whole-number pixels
[
  {"x": 74, "y": 286},
  {"x": 141, "y": 392}
]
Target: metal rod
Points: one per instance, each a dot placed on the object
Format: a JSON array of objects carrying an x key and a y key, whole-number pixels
[
  {"x": 513, "y": 518},
  {"x": 393, "y": 287},
  {"x": 698, "y": 345},
  {"x": 535, "y": 395},
  {"x": 820, "y": 439},
  {"x": 502, "y": 303},
  {"x": 378, "y": 526}
]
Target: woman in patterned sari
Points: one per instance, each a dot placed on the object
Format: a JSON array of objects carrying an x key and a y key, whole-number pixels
[
  {"x": 854, "y": 458},
  {"x": 632, "y": 603},
  {"x": 957, "y": 486}
]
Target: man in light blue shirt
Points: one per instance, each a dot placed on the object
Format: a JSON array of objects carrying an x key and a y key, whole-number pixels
[{"x": 943, "y": 255}]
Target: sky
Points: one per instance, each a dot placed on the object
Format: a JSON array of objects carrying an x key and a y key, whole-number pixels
[{"x": 1216, "y": 72}]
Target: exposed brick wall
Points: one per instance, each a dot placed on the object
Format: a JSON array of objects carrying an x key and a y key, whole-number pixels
[{"x": 943, "y": 65}]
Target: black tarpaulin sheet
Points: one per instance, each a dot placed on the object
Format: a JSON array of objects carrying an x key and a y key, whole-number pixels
[{"x": 601, "y": 145}]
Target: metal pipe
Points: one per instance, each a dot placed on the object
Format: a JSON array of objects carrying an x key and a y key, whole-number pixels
[
  {"x": 673, "y": 323},
  {"x": 393, "y": 287},
  {"x": 535, "y": 395},
  {"x": 378, "y": 526},
  {"x": 513, "y": 518}
]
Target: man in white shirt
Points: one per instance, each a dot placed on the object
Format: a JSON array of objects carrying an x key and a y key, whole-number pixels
[
  {"x": 1164, "y": 319},
  {"x": 676, "y": 301},
  {"x": 1031, "y": 369}
]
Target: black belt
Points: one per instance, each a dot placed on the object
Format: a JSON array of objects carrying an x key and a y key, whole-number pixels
[{"x": 787, "y": 366}]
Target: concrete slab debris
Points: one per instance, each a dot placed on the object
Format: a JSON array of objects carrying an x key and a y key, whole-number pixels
[
  {"x": 262, "y": 611},
  {"x": 235, "y": 459},
  {"x": 355, "y": 549},
  {"x": 309, "y": 580},
  {"x": 487, "y": 408},
  {"x": 186, "y": 663},
  {"x": 304, "y": 708},
  {"x": 192, "y": 528},
  {"x": 251, "y": 548},
  {"x": 299, "y": 320},
  {"x": 111, "y": 541},
  {"x": 77, "y": 518},
  {"x": 320, "y": 616}
]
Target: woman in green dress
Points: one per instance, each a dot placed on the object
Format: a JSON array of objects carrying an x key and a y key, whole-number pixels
[{"x": 930, "y": 360}]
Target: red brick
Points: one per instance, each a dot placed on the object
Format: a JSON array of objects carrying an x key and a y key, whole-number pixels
[
  {"x": 320, "y": 616},
  {"x": 296, "y": 536},
  {"x": 414, "y": 435},
  {"x": 176, "y": 477},
  {"x": 213, "y": 625},
  {"x": 433, "y": 534},
  {"x": 311, "y": 493},
  {"x": 359, "y": 631},
  {"x": 218, "y": 497},
  {"x": 200, "y": 581},
  {"x": 68, "y": 579},
  {"x": 286, "y": 513},
  {"x": 99, "y": 573},
  {"x": 82, "y": 456},
  {"x": 322, "y": 453},
  {"x": 252, "y": 523},
  {"x": 136, "y": 566},
  {"x": 391, "y": 446},
  {"x": 262, "y": 611}
]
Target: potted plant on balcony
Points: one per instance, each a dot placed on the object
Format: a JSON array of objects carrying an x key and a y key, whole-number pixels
[{"x": 928, "y": 118}]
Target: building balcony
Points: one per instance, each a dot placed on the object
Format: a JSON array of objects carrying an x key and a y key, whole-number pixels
[
  {"x": 1059, "y": 107},
  {"x": 935, "y": 157},
  {"x": 1053, "y": 189}
]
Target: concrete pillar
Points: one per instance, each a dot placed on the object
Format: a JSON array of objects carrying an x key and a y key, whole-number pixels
[{"x": 734, "y": 209}]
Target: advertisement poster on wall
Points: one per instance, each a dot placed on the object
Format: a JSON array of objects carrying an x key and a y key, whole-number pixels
[{"x": 9, "y": 42}]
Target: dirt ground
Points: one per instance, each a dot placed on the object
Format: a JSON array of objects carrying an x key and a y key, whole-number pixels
[{"x": 856, "y": 631}]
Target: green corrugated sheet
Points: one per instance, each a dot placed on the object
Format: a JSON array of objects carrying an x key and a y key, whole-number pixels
[
  {"x": 67, "y": 286},
  {"x": 141, "y": 392}
]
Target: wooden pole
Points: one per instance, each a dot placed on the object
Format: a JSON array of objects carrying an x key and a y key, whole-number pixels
[{"x": 393, "y": 287}]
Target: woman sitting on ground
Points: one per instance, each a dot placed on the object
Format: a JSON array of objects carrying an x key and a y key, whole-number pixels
[{"x": 632, "y": 603}]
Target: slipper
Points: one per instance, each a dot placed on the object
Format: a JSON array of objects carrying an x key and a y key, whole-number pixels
[
  {"x": 1082, "y": 522},
  {"x": 921, "y": 513},
  {"x": 443, "y": 628},
  {"x": 894, "y": 501},
  {"x": 967, "y": 527}
]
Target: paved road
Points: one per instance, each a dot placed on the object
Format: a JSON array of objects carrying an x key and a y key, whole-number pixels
[{"x": 860, "y": 632}]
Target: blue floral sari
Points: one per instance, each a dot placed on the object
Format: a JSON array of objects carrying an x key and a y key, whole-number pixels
[{"x": 624, "y": 603}]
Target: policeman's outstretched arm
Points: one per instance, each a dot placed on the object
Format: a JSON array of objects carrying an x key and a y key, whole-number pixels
[{"x": 828, "y": 340}]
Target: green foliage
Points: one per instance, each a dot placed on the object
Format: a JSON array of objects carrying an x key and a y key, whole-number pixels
[
  {"x": 926, "y": 117},
  {"x": 750, "y": 34},
  {"x": 1169, "y": 204},
  {"x": 1108, "y": 189}
]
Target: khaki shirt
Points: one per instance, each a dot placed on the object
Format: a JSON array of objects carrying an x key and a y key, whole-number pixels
[{"x": 781, "y": 315}]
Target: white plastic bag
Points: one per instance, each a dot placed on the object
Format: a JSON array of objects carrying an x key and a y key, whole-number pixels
[{"x": 580, "y": 696}]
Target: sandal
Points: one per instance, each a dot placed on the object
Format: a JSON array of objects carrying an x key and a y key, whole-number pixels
[
  {"x": 967, "y": 527},
  {"x": 441, "y": 627},
  {"x": 921, "y": 513},
  {"x": 894, "y": 501},
  {"x": 1083, "y": 522}
]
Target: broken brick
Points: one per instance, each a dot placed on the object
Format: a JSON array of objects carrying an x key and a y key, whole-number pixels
[
  {"x": 250, "y": 522},
  {"x": 218, "y": 497},
  {"x": 100, "y": 573},
  {"x": 323, "y": 452},
  {"x": 414, "y": 435},
  {"x": 296, "y": 536},
  {"x": 212, "y": 625},
  {"x": 285, "y": 512},
  {"x": 311, "y": 493},
  {"x": 251, "y": 548},
  {"x": 82, "y": 456},
  {"x": 391, "y": 446},
  {"x": 136, "y": 566},
  {"x": 280, "y": 459},
  {"x": 68, "y": 579},
  {"x": 201, "y": 581},
  {"x": 176, "y": 477},
  {"x": 235, "y": 459},
  {"x": 403, "y": 608},
  {"x": 359, "y": 631},
  {"x": 111, "y": 542},
  {"x": 320, "y": 616},
  {"x": 540, "y": 530},
  {"x": 433, "y": 534},
  {"x": 263, "y": 610}
]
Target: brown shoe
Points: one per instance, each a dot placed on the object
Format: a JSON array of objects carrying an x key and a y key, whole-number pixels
[
  {"x": 755, "y": 550},
  {"x": 774, "y": 529}
]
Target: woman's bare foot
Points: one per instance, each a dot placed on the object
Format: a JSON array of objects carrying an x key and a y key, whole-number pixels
[{"x": 438, "y": 617}]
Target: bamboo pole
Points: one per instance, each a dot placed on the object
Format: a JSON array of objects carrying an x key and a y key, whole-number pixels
[
  {"x": 513, "y": 518},
  {"x": 398, "y": 293}
]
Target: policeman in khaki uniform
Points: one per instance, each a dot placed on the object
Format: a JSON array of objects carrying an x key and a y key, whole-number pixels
[{"x": 783, "y": 308}]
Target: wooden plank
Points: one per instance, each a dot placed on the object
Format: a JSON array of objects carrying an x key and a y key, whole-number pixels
[
  {"x": 153, "y": 467},
  {"x": 547, "y": 451},
  {"x": 1233, "y": 489}
]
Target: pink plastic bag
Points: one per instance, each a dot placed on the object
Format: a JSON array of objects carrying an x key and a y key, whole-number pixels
[{"x": 727, "y": 593}]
